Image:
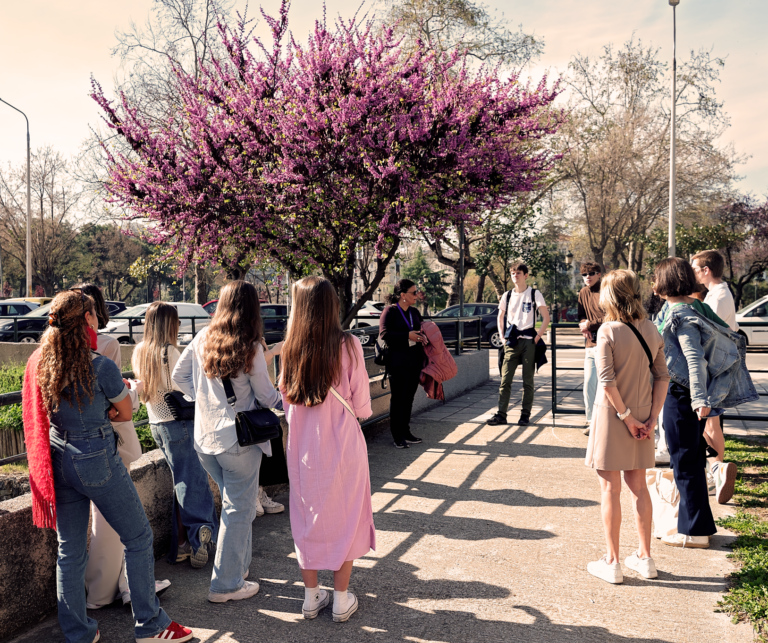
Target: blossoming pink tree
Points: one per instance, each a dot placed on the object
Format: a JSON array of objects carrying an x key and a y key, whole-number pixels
[{"x": 306, "y": 152}]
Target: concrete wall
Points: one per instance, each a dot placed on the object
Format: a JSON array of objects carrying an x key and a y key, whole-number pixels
[{"x": 28, "y": 554}]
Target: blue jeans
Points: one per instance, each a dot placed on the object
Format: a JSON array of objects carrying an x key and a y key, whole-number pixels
[
  {"x": 87, "y": 467},
  {"x": 590, "y": 382},
  {"x": 236, "y": 471},
  {"x": 192, "y": 495}
]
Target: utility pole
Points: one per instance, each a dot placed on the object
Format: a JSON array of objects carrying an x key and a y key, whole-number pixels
[{"x": 672, "y": 172}]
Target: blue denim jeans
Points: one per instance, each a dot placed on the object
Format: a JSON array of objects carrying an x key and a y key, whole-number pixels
[
  {"x": 590, "y": 382},
  {"x": 192, "y": 495},
  {"x": 87, "y": 467},
  {"x": 236, "y": 471}
]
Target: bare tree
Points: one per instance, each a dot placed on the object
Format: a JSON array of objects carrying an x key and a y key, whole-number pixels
[{"x": 56, "y": 218}]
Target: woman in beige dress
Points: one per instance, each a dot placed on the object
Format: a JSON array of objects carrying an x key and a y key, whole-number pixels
[{"x": 629, "y": 399}]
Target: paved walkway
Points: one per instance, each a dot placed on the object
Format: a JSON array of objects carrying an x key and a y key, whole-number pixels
[{"x": 483, "y": 535}]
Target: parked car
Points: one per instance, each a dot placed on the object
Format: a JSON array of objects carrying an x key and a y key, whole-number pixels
[
  {"x": 31, "y": 328},
  {"x": 275, "y": 319},
  {"x": 120, "y": 326},
  {"x": 757, "y": 311},
  {"x": 210, "y": 307},
  {"x": 489, "y": 330},
  {"x": 40, "y": 301},
  {"x": 16, "y": 307}
]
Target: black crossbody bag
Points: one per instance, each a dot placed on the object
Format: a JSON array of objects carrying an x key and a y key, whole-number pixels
[
  {"x": 643, "y": 343},
  {"x": 254, "y": 426},
  {"x": 181, "y": 408}
]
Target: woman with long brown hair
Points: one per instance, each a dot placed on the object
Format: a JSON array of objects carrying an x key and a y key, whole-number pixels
[
  {"x": 194, "y": 524},
  {"x": 230, "y": 348},
  {"x": 325, "y": 389},
  {"x": 73, "y": 458}
]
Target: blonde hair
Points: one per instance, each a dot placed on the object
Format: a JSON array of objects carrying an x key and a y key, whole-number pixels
[
  {"x": 620, "y": 297},
  {"x": 65, "y": 352},
  {"x": 161, "y": 327}
]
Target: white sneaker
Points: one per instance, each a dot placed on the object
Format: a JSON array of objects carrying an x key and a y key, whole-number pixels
[
  {"x": 681, "y": 540},
  {"x": 319, "y": 600},
  {"x": 346, "y": 610},
  {"x": 725, "y": 481},
  {"x": 267, "y": 504},
  {"x": 248, "y": 589},
  {"x": 643, "y": 566},
  {"x": 662, "y": 458},
  {"x": 160, "y": 587},
  {"x": 711, "y": 484},
  {"x": 610, "y": 572}
]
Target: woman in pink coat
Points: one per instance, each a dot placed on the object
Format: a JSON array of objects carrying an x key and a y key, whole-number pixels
[{"x": 324, "y": 384}]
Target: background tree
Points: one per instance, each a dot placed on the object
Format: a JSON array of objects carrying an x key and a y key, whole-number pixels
[
  {"x": 430, "y": 281},
  {"x": 302, "y": 156}
]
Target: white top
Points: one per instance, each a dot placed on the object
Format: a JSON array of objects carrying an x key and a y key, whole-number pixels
[
  {"x": 157, "y": 409},
  {"x": 720, "y": 300},
  {"x": 520, "y": 309},
  {"x": 214, "y": 416}
]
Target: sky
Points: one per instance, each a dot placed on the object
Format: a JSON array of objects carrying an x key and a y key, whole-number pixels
[{"x": 49, "y": 50}]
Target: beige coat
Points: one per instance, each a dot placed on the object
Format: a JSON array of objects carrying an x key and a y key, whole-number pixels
[{"x": 621, "y": 362}]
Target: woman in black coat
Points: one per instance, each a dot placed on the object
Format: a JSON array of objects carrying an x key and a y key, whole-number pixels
[{"x": 400, "y": 329}]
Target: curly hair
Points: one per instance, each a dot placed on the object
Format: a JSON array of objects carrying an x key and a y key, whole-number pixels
[
  {"x": 65, "y": 352},
  {"x": 232, "y": 337}
]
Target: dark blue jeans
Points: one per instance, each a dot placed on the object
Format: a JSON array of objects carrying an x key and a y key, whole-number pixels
[
  {"x": 192, "y": 494},
  {"x": 87, "y": 467},
  {"x": 687, "y": 454}
]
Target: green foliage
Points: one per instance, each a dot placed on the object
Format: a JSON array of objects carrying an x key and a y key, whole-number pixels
[
  {"x": 747, "y": 598},
  {"x": 430, "y": 281},
  {"x": 144, "y": 432},
  {"x": 11, "y": 378}
]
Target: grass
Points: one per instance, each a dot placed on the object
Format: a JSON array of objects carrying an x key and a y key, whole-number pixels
[
  {"x": 16, "y": 467},
  {"x": 747, "y": 598},
  {"x": 11, "y": 378}
]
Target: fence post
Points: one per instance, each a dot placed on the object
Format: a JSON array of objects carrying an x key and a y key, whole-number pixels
[
  {"x": 130, "y": 329},
  {"x": 479, "y": 333},
  {"x": 554, "y": 370},
  {"x": 457, "y": 350},
  {"x": 15, "y": 329},
  {"x": 194, "y": 332}
]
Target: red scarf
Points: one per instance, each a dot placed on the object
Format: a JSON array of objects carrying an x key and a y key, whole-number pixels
[{"x": 36, "y": 427}]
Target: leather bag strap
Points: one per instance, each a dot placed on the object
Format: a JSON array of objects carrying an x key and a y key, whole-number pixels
[
  {"x": 642, "y": 342},
  {"x": 229, "y": 391},
  {"x": 344, "y": 402}
]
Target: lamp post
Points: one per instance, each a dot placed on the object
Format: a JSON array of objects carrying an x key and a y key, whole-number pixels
[
  {"x": 29, "y": 209},
  {"x": 672, "y": 176}
]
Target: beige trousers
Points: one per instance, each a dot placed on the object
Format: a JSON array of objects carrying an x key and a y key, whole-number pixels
[{"x": 105, "y": 575}]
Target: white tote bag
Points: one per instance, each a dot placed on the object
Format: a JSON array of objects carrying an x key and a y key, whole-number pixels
[{"x": 665, "y": 499}]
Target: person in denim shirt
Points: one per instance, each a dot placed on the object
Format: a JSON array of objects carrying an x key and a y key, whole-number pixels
[
  {"x": 78, "y": 388},
  {"x": 707, "y": 367}
]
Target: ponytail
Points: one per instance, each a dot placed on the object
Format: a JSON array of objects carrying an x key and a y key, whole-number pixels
[{"x": 400, "y": 287}]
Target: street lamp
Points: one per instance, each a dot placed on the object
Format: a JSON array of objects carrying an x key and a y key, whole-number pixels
[
  {"x": 672, "y": 177},
  {"x": 568, "y": 260},
  {"x": 29, "y": 209}
]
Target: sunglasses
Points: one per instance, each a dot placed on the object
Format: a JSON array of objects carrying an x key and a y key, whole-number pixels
[{"x": 589, "y": 274}]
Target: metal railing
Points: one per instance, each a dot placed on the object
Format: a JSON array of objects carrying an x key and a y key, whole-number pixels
[
  {"x": 457, "y": 343},
  {"x": 556, "y": 409}
]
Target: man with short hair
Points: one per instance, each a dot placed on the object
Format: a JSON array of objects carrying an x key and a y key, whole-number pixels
[
  {"x": 708, "y": 267},
  {"x": 590, "y": 320},
  {"x": 517, "y": 310}
]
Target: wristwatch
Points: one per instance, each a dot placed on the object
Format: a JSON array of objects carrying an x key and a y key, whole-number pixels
[{"x": 625, "y": 415}]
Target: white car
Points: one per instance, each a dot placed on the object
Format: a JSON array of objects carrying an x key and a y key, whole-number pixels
[
  {"x": 757, "y": 311},
  {"x": 372, "y": 309},
  {"x": 119, "y": 328}
]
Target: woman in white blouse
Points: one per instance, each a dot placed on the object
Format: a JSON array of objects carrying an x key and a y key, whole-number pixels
[
  {"x": 194, "y": 525},
  {"x": 230, "y": 348}
]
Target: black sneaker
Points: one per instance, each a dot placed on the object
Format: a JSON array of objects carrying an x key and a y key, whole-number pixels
[
  {"x": 402, "y": 444},
  {"x": 412, "y": 439},
  {"x": 497, "y": 419},
  {"x": 524, "y": 420}
]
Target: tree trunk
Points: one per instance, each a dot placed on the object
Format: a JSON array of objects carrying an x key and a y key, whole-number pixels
[
  {"x": 498, "y": 285},
  {"x": 480, "y": 288},
  {"x": 201, "y": 287}
]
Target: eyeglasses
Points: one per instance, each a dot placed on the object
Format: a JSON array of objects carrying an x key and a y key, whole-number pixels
[{"x": 589, "y": 274}]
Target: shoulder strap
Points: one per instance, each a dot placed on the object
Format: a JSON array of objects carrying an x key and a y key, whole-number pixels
[
  {"x": 642, "y": 342},
  {"x": 167, "y": 366},
  {"x": 344, "y": 402},
  {"x": 229, "y": 391}
]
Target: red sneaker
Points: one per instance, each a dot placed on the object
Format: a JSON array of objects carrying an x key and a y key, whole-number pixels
[{"x": 174, "y": 632}]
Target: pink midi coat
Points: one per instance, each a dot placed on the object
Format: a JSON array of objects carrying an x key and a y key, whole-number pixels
[{"x": 330, "y": 486}]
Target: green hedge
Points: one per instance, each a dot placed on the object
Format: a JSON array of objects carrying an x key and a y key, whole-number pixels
[{"x": 11, "y": 378}]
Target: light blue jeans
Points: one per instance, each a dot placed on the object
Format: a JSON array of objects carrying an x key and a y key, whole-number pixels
[
  {"x": 87, "y": 467},
  {"x": 590, "y": 381},
  {"x": 236, "y": 471}
]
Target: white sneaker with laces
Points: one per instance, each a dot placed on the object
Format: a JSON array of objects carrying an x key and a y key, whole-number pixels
[
  {"x": 160, "y": 587},
  {"x": 688, "y": 542},
  {"x": 344, "y": 605},
  {"x": 248, "y": 589},
  {"x": 711, "y": 484},
  {"x": 609, "y": 572},
  {"x": 267, "y": 504},
  {"x": 314, "y": 600},
  {"x": 725, "y": 481},
  {"x": 643, "y": 566}
]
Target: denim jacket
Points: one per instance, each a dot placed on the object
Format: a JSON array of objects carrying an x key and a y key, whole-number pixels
[{"x": 707, "y": 358}]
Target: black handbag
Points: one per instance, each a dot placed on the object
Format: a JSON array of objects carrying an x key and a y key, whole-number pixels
[
  {"x": 380, "y": 353},
  {"x": 254, "y": 426},
  {"x": 181, "y": 407}
]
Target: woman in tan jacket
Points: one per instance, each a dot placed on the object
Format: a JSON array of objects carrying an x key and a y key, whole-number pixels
[{"x": 629, "y": 400}]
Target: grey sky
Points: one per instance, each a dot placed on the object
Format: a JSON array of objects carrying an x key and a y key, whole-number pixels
[{"x": 49, "y": 49}]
